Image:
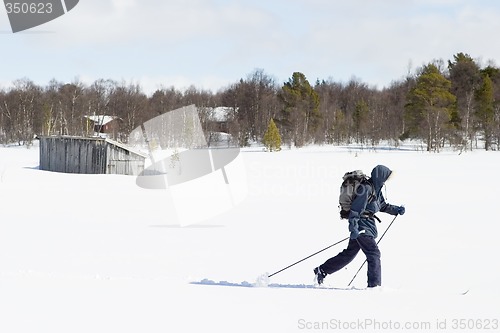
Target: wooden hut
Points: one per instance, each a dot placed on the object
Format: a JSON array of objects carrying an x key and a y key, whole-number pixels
[{"x": 89, "y": 155}]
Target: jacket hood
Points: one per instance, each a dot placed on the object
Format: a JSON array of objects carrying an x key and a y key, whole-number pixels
[{"x": 380, "y": 174}]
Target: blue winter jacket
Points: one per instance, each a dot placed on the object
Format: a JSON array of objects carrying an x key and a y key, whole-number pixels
[{"x": 369, "y": 201}]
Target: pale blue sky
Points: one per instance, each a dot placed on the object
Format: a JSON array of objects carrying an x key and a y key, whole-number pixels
[{"x": 212, "y": 43}]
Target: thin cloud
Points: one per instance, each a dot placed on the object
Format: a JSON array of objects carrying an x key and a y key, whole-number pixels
[{"x": 211, "y": 42}]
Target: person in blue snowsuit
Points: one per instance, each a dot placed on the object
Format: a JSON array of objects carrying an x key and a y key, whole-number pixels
[{"x": 363, "y": 229}]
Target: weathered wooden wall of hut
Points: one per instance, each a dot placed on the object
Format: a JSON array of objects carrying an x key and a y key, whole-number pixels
[
  {"x": 122, "y": 161},
  {"x": 88, "y": 156}
]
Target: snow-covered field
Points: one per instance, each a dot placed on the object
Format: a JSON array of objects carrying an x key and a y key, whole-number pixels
[{"x": 96, "y": 253}]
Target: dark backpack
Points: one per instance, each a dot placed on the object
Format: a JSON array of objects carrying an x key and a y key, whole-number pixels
[{"x": 349, "y": 189}]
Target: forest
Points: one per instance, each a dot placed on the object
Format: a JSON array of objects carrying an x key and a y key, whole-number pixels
[{"x": 453, "y": 103}]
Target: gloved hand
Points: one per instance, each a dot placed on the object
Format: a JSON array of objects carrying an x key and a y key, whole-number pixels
[
  {"x": 354, "y": 234},
  {"x": 353, "y": 224},
  {"x": 401, "y": 210}
]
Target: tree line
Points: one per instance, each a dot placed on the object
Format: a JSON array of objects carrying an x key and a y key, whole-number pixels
[{"x": 454, "y": 103}]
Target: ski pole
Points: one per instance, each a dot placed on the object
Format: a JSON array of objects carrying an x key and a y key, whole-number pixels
[
  {"x": 364, "y": 262},
  {"x": 326, "y": 248}
]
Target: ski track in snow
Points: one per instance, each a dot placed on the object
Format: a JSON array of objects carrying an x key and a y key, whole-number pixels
[{"x": 246, "y": 284}]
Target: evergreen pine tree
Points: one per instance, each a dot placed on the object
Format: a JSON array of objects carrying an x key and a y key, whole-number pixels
[
  {"x": 430, "y": 106},
  {"x": 486, "y": 111},
  {"x": 272, "y": 138},
  {"x": 301, "y": 113}
]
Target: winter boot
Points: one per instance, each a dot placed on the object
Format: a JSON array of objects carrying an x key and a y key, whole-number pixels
[{"x": 319, "y": 275}]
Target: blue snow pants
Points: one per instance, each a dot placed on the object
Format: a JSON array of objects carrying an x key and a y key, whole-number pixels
[{"x": 369, "y": 247}]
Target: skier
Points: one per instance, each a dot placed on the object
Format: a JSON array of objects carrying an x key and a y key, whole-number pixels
[{"x": 363, "y": 229}]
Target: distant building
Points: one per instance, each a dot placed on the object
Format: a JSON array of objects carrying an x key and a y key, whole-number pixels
[
  {"x": 219, "y": 122},
  {"x": 104, "y": 126},
  {"x": 219, "y": 118},
  {"x": 71, "y": 154}
]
